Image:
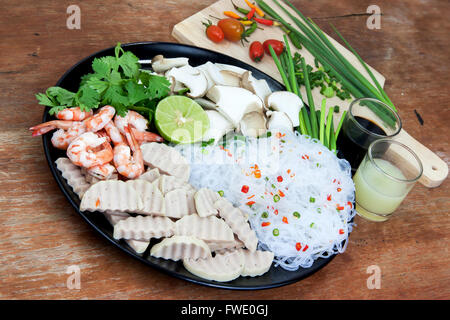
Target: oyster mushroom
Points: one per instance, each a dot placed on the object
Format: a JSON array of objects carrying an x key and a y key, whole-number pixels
[
  {"x": 258, "y": 87},
  {"x": 234, "y": 102},
  {"x": 279, "y": 120},
  {"x": 206, "y": 104},
  {"x": 253, "y": 124},
  {"x": 287, "y": 102},
  {"x": 192, "y": 78},
  {"x": 218, "y": 126},
  {"x": 160, "y": 64}
]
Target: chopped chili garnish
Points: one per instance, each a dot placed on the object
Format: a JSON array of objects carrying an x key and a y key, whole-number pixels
[
  {"x": 97, "y": 203},
  {"x": 285, "y": 220},
  {"x": 350, "y": 204},
  {"x": 281, "y": 193},
  {"x": 250, "y": 197},
  {"x": 339, "y": 208},
  {"x": 257, "y": 174},
  {"x": 276, "y": 212},
  {"x": 341, "y": 231},
  {"x": 280, "y": 178},
  {"x": 305, "y": 248},
  {"x": 289, "y": 171},
  {"x": 250, "y": 203},
  {"x": 329, "y": 197},
  {"x": 265, "y": 224},
  {"x": 245, "y": 189},
  {"x": 334, "y": 180},
  {"x": 298, "y": 246},
  {"x": 339, "y": 189}
]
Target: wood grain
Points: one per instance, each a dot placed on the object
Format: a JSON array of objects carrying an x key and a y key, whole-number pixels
[{"x": 41, "y": 235}]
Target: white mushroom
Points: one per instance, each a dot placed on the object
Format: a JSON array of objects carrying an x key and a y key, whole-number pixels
[
  {"x": 192, "y": 78},
  {"x": 204, "y": 68},
  {"x": 279, "y": 120},
  {"x": 230, "y": 78},
  {"x": 287, "y": 102},
  {"x": 160, "y": 64},
  {"x": 230, "y": 67},
  {"x": 253, "y": 124},
  {"x": 258, "y": 87},
  {"x": 218, "y": 126},
  {"x": 175, "y": 85},
  {"x": 234, "y": 102}
]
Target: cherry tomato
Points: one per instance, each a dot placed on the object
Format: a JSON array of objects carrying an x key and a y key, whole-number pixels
[
  {"x": 214, "y": 33},
  {"x": 231, "y": 28},
  {"x": 256, "y": 51},
  {"x": 277, "y": 46}
]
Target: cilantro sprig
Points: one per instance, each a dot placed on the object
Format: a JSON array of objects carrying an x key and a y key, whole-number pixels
[{"x": 116, "y": 80}]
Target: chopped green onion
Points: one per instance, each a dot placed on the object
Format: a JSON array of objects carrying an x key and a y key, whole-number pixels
[
  {"x": 296, "y": 214},
  {"x": 311, "y": 225},
  {"x": 221, "y": 193},
  {"x": 312, "y": 200},
  {"x": 276, "y": 232}
]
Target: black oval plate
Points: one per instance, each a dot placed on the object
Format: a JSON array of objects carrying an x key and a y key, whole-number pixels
[{"x": 146, "y": 50}]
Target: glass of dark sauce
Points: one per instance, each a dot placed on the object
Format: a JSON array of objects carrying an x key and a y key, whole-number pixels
[{"x": 366, "y": 121}]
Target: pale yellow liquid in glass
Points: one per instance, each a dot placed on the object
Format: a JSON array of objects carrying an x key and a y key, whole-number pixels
[{"x": 378, "y": 196}]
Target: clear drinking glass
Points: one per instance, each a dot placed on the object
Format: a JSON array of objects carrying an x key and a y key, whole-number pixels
[
  {"x": 386, "y": 175},
  {"x": 366, "y": 121}
]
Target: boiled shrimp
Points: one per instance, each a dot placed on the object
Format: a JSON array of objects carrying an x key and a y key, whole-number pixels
[
  {"x": 73, "y": 114},
  {"x": 146, "y": 136},
  {"x": 99, "y": 120},
  {"x": 90, "y": 150},
  {"x": 133, "y": 119},
  {"x": 66, "y": 133},
  {"x": 129, "y": 166}
]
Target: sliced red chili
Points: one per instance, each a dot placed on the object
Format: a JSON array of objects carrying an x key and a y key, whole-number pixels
[
  {"x": 298, "y": 246},
  {"x": 305, "y": 248},
  {"x": 285, "y": 220},
  {"x": 265, "y": 224},
  {"x": 280, "y": 179},
  {"x": 329, "y": 197},
  {"x": 341, "y": 231},
  {"x": 245, "y": 189}
]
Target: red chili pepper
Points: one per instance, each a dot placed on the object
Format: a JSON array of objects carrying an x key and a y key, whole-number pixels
[
  {"x": 339, "y": 189},
  {"x": 329, "y": 197},
  {"x": 305, "y": 248},
  {"x": 341, "y": 231},
  {"x": 251, "y": 14},
  {"x": 350, "y": 204},
  {"x": 298, "y": 246},
  {"x": 265, "y": 22},
  {"x": 265, "y": 224},
  {"x": 285, "y": 220},
  {"x": 245, "y": 189},
  {"x": 281, "y": 193},
  {"x": 280, "y": 179},
  {"x": 250, "y": 203},
  {"x": 276, "y": 212},
  {"x": 340, "y": 208}
]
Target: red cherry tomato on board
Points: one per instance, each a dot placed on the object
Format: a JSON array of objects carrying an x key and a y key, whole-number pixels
[
  {"x": 277, "y": 46},
  {"x": 232, "y": 29},
  {"x": 213, "y": 32},
  {"x": 256, "y": 51}
]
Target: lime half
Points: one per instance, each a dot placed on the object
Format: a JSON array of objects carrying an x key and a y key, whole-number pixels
[{"x": 180, "y": 119}]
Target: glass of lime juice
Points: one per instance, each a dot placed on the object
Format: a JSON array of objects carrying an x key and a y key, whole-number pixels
[{"x": 385, "y": 176}]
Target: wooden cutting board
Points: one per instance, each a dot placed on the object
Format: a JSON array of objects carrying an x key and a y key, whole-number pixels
[{"x": 191, "y": 31}]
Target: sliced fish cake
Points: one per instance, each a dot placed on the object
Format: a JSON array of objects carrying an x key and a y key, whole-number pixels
[
  {"x": 222, "y": 267},
  {"x": 114, "y": 195},
  {"x": 217, "y": 246},
  {"x": 152, "y": 198},
  {"x": 150, "y": 175},
  {"x": 166, "y": 159},
  {"x": 73, "y": 176},
  {"x": 204, "y": 202},
  {"x": 207, "y": 229},
  {"x": 235, "y": 219},
  {"x": 176, "y": 203},
  {"x": 256, "y": 263},
  {"x": 144, "y": 228},
  {"x": 181, "y": 247}
]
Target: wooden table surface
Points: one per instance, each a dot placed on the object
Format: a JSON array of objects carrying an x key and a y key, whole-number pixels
[{"x": 42, "y": 235}]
